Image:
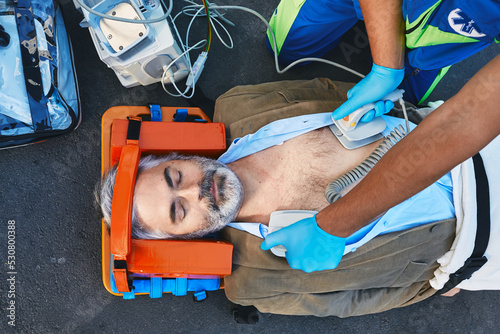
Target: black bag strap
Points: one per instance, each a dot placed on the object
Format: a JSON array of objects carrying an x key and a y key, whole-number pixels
[
  {"x": 31, "y": 66},
  {"x": 477, "y": 258}
]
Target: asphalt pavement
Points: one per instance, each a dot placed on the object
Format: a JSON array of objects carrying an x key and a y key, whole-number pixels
[{"x": 47, "y": 193}]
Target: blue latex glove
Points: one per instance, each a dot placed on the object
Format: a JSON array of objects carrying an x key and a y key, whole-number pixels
[
  {"x": 381, "y": 108},
  {"x": 308, "y": 247},
  {"x": 377, "y": 84}
]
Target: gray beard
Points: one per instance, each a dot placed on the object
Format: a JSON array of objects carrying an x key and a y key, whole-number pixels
[{"x": 229, "y": 194}]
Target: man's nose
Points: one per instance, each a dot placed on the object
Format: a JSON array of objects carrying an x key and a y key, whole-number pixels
[{"x": 190, "y": 191}]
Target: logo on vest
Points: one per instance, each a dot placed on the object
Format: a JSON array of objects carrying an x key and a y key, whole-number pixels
[{"x": 463, "y": 24}]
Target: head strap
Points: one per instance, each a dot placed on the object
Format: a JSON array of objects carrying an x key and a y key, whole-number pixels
[{"x": 121, "y": 207}]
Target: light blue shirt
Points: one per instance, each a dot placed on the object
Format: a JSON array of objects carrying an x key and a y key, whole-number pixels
[{"x": 432, "y": 204}]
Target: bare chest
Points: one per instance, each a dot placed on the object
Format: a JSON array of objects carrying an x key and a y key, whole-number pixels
[{"x": 293, "y": 175}]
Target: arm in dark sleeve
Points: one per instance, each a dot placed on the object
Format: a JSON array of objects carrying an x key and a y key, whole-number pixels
[{"x": 452, "y": 133}]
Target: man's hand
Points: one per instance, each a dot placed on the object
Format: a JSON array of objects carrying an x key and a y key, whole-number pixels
[
  {"x": 309, "y": 248},
  {"x": 377, "y": 84}
]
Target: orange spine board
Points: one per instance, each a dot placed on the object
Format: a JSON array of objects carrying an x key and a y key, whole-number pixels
[
  {"x": 164, "y": 258},
  {"x": 183, "y": 257},
  {"x": 207, "y": 139}
]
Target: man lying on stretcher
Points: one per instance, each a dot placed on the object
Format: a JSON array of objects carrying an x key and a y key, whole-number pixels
[
  {"x": 186, "y": 197},
  {"x": 287, "y": 165}
]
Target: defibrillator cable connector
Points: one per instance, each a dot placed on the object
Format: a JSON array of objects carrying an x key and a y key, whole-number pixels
[{"x": 195, "y": 73}]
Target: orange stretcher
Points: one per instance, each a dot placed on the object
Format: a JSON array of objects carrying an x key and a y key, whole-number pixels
[{"x": 133, "y": 266}]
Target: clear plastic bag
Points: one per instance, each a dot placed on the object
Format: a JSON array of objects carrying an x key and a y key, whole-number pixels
[{"x": 56, "y": 76}]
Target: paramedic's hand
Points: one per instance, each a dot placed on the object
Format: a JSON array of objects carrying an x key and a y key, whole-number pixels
[
  {"x": 309, "y": 248},
  {"x": 377, "y": 84}
]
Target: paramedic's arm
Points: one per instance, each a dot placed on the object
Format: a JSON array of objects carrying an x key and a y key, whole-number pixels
[
  {"x": 386, "y": 31},
  {"x": 454, "y": 132},
  {"x": 386, "y": 34},
  {"x": 385, "y": 27}
]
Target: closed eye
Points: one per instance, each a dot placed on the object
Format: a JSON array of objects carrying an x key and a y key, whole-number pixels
[
  {"x": 182, "y": 211},
  {"x": 172, "y": 212},
  {"x": 177, "y": 208},
  {"x": 168, "y": 178},
  {"x": 177, "y": 211}
]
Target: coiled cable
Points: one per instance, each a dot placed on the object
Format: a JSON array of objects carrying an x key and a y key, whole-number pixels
[{"x": 333, "y": 190}]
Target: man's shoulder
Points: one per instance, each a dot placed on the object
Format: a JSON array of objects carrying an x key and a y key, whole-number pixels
[
  {"x": 273, "y": 134},
  {"x": 245, "y": 109}
]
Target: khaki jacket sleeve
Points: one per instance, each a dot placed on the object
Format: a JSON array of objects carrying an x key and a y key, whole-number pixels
[{"x": 390, "y": 271}]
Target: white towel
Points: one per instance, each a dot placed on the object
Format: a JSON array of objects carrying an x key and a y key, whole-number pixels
[{"x": 464, "y": 197}]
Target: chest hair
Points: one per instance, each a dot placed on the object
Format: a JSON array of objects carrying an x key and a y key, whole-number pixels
[{"x": 294, "y": 175}]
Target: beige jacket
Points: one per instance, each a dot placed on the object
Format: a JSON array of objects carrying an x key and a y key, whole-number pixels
[{"x": 390, "y": 271}]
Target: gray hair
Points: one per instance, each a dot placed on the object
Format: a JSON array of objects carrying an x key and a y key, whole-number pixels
[{"x": 105, "y": 196}]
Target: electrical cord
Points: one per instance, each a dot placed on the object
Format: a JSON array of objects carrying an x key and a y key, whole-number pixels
[
  {"x": 209, "y": 26},
  {"x": 332, "y": 192},
  {"x": 189, "y": 9},
  {"x": 213, "y": 15},
  {"x": 193, "y": 10},
  {"x": 211, "y": 11},
  {"x": 278, "y": 70},
  {"x": 196, "y": 69},
  {"x": 167, "y": 68}
]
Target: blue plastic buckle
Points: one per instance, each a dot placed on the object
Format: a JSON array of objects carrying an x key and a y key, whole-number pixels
[
  {"x": 199, "y": 296},
  {"x": 181, "y": 286},
  {"x": 180, "y": 115},
  {"x": 129, "y": 295},
  {"x": 155, "y": 111},
  {"x": 155, "y": 287}
]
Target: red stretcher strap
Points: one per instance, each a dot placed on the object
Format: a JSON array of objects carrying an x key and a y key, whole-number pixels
[
  {"x": 121, "y": 212},
  {"x": 121, "y": 280}
]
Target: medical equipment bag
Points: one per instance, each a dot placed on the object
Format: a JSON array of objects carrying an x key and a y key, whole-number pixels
[
  {"x": 136, "y": 266},
  {"x": 38, "y": 87}
]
